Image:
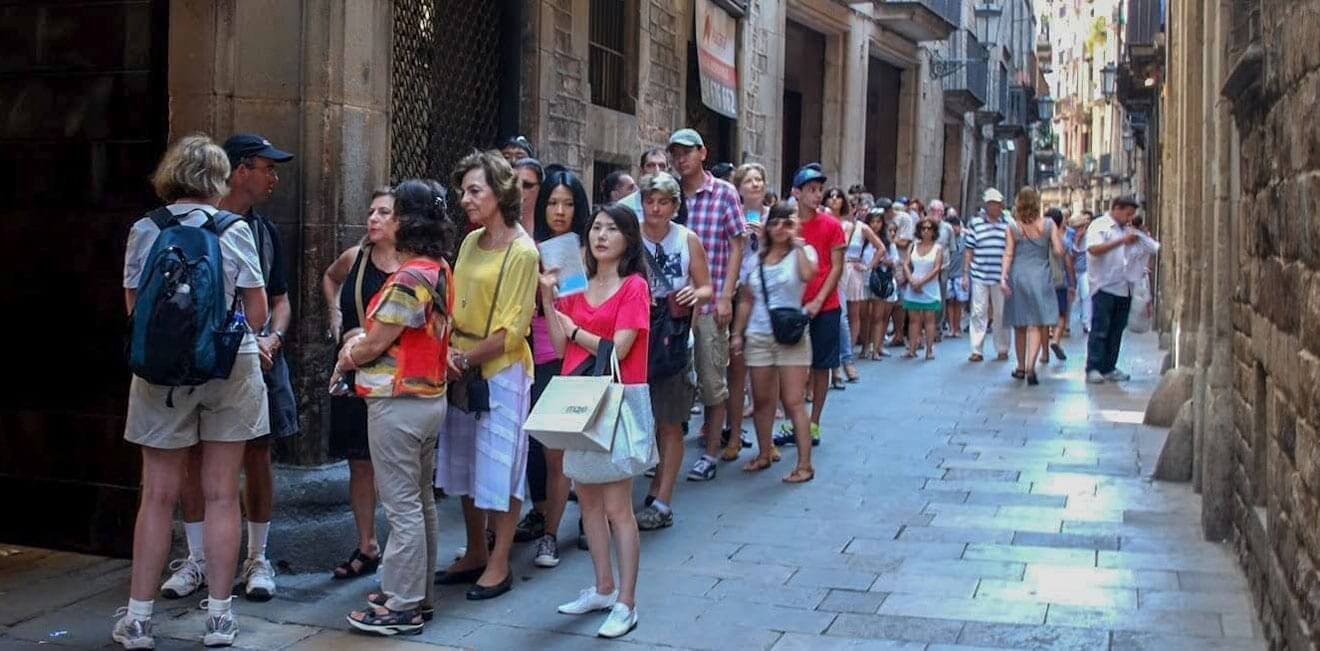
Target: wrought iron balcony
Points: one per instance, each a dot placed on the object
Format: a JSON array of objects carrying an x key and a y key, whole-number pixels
[
  {"x": 996, "y": 104},
  {"x": 963, "y": 72},
  {"x": 919, "y": 20},
  {"x": 1144, "y": 27},
  {"x": 1016, "y": 113}
]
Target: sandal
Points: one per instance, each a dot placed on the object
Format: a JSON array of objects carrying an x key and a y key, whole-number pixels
[
  {"x": 383, "y": 621},
  {"x": 908, "y": 355},
  {"x": 731, "y": 451},
  {"x": 1018, "y": 374},
  {"x": 757, "y": 465},
  {"x": 366, "y": 565},
  {"x": 800, "y": 476},
  {"x": 836, "y": 383},
  {"x": 774, "y": 454},
  {"x": 378, "y": 599},
  {"x": 851, "y": 372}
]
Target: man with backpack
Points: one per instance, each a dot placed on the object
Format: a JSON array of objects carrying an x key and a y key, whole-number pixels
[{"x": 252, "y": 181}]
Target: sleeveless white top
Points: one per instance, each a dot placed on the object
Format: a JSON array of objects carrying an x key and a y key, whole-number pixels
[{"x": 673, "y": 257}]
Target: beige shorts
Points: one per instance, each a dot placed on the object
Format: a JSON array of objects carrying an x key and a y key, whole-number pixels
[
  {"x": 761, "y": 350},
  {"x": 711, "y": 356},
  {"x": 229, "y": 410}
]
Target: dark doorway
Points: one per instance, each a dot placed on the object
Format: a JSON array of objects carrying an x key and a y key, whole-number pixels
[
  {"x": 804, "y": 90},
  {"x": 84, "y": 123},
  {"x": 884, "y": 86}
]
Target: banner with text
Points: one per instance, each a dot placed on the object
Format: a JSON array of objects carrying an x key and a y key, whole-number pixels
[{"x": 717, "y": 58}]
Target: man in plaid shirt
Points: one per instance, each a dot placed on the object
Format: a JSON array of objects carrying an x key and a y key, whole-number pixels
[{"x": 715, "y": 215}]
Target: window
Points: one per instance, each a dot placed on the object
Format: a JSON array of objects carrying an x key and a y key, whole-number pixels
[{"x": 613, "y": 56}]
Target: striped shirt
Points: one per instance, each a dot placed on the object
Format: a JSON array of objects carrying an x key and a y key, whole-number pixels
[
  {"x": 715, "y": 215},
  {"x": 986, "y": 240}
]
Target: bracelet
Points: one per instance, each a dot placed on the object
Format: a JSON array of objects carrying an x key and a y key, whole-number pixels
[{"x": 573, "y": 337}]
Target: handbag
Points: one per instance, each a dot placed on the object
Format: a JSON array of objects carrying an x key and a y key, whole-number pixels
[
  {"x": 1056, "y": 264},
  {"x": 632, "y": 428},
  {"x": 881, "y": 282},
  {"x": 670, "y": 325},
  {"x": 576, "y": 411},
  {"x": 471, "y": 392},
  {"x": 787, "y": 323}
]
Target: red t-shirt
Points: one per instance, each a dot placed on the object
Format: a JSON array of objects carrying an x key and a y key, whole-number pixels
[
  {"x": 628, "y": 309},
  {"x": 825, "y": 234}
]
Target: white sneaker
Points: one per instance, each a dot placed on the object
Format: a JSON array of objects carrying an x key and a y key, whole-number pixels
[
  {"x": 622, "y": 621},
  {"x": 1094, "y": 377},
  {"x": 220, "y": 630},
  {"x": 189, "y": 575},
  {"x": 589, "y": 601},
  {"x": 1117, "y": 376},
  {"x": 132, "y": 633},
  {"x": 258, "y": 578}
]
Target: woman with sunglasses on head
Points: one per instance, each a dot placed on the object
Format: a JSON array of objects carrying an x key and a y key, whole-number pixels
[
  {"x": 561, "y": 207},
  {"x": 615, "y": 309},
  {"x": 779, "y": 371},
  {"x": 921, "y": 298}
]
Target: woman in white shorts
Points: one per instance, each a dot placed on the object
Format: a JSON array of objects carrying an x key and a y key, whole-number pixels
[
  {"x": 221, "y": 414},
  {"x": 779, "y": 371}
]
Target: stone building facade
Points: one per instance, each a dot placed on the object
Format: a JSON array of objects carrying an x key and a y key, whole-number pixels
[{"x": 1240, "y": 284}]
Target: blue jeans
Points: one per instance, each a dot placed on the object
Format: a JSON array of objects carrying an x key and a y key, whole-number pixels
[{"x": 1109, "y": 316}]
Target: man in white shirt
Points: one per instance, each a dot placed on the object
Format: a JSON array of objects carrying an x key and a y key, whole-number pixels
[{"x": 1109, "y": 241}]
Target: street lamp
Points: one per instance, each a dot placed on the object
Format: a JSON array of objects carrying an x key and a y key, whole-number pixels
[
  {"x": 1107, "y": 75},
  {"x": 1045, "y": 107},
  {"x": 1128, "y": 140}
]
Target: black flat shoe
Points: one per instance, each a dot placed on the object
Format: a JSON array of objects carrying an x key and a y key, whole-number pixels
[
  {"x": 1058, "y": 351},
  {"x": 1019, "y": 374},
  {"x": 458, "y": 578},
  {"x": 1031, "y": 380},
  {"x": 481, "y": 592}
]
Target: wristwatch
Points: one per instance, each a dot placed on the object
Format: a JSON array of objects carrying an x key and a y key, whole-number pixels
[{"x": 280, "y": 334}]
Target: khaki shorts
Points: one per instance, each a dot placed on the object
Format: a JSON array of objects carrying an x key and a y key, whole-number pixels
[
  {"x": 672, "y": 398},
  {"x": 711, "y": 356},
  {"x": 230, "y": 410},
  {"x": 761, "y": 350}
]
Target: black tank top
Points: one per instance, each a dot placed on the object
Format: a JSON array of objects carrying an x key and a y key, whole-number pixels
[{"x": 371, "y": 283}]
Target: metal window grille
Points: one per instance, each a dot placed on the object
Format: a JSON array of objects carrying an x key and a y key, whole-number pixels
[
  {"x": 445, "y": 96},
  {"x": 608, "y": 56}
]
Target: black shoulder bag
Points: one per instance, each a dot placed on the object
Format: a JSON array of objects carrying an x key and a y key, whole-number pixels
[
  {"x": 670, "y": 326},
  {"x": 471, "y": 392},
  {"x": 787, "y": 323}
]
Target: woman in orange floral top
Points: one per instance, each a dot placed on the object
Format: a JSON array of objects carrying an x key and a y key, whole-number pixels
[{"x": 400, "y": 364}]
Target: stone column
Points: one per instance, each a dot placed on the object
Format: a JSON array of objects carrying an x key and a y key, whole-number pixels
[
  {"x": 832, "y": 107},
  {"x": 314, "y": 78},
  {"x": 761, "y": 70},
  {"x": 852, "y": 129}
]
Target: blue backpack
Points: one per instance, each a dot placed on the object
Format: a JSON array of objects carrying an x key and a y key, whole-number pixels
[{"x": 180, "y": 333}]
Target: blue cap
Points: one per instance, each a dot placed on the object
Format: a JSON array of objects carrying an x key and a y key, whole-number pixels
[
  {"x": 808, "y": 173},
  {"x": 903, "y": 200},
  {"x": 249, "y": 145}
]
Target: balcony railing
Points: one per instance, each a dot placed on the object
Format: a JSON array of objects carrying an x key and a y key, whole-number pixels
[
  {"x": 1016, "y": 115},
  {"x": 964, "y": 86},
  {"x": 920, "y": 20}
]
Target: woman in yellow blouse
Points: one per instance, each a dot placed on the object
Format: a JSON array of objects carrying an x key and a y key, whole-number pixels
[{"x": 483, "y": 456}]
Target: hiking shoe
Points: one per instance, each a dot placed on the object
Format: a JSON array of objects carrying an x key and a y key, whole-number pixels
[
  {"x": 220, "y": 630},
  {"x": 547, "y": 552},
  {"x": 532, "y": 527},
  {"x": 1094, "y": 377},
  {"x": 188, "y": 575},
  {"x": 651, "y": 518},
  {"x": 622, "y": 621},
  {"x": 1117, "y": 376},
  {"x": 258, "y": 578},
  {"x": 702, "y": 470},
  {"x": 132, "y": 633},
  {"x": 589, "y": 601}
]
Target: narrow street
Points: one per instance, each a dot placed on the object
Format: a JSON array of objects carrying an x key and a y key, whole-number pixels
[{"x": 953, "y": 508}]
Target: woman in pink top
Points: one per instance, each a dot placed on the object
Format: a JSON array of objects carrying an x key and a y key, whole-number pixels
[
  {"x": 561, "y": 207},
  {"x": 616, "y": 308}
]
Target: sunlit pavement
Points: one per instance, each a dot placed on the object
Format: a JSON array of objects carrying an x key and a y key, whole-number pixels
[{"x": 953, "y": 507}]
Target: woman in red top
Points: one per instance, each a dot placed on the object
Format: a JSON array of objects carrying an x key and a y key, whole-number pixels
[
  {"x": 616, "y": 307},
  {"x": 400, "y": 363}
]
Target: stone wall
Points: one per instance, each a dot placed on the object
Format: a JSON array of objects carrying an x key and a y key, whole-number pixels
[{"x": 1240, "y": 195}]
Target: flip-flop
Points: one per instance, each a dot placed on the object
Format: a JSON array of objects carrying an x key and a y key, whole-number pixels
[
  {"x": 757, "y": 465},
  {"x": 796, "y": 477}
]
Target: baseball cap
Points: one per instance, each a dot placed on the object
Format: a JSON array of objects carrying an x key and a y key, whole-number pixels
[
  {"x": 246, "y": 145},
  {"x": 808, "y": 173},
  {"x": 992, "y": 194},
  {"x": 686, "y": 138}
]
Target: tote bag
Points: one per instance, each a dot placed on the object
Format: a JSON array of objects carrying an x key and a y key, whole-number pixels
[{"x": 633, "y": 436}]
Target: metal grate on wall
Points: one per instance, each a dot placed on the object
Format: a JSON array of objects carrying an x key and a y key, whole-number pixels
[{"x": 446, "y": 84}]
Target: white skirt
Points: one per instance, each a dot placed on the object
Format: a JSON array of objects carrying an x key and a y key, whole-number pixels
[{"x": 486, "y": 458}]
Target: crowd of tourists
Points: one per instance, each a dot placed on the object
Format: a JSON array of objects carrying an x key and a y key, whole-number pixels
[{"x": 702, "y": 285}]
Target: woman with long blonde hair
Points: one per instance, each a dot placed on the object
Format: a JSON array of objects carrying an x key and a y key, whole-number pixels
[{"x": 1030, "y": 305}]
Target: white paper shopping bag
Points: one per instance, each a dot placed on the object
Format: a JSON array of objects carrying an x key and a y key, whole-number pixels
[{"x": 567, "y": 415}]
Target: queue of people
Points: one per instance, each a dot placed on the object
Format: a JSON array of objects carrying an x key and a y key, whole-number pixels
[{"x": 703, "y": 285}]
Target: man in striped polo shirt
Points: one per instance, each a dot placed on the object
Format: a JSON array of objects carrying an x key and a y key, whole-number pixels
[{"x": 983, "y": 260}]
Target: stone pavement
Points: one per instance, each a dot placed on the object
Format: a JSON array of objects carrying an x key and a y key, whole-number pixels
[{"x": 953, "y": 508}]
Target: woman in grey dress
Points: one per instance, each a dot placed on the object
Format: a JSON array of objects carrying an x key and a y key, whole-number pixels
[{"x": 1030, "y": 305}]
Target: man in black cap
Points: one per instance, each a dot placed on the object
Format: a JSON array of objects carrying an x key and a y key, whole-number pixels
[
  {"x": 1109, "y": 240},
  {"x": 252, "y": 181}
]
